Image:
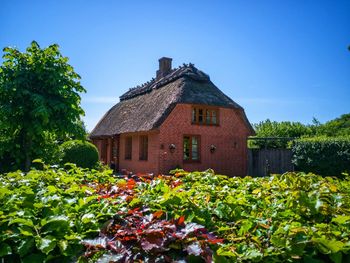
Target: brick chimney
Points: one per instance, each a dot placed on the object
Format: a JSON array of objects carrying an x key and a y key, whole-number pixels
[{"x": 164, "y": 67}]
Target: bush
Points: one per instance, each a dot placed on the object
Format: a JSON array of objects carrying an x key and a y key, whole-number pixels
[
  {"x": 322, "y": 155},
  {"x": 84, "y": 154}
]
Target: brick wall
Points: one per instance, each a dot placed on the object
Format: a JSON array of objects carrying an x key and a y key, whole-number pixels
[
  {"x": 140, "y": 166},
  {"x": 230, "y": 156}
]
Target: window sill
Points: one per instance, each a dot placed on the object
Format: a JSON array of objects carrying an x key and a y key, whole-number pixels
[{"x": 204, "y": 124}]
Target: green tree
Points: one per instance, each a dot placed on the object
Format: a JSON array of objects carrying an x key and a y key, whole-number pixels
[
  {"x": 39, "y": 104},
  {"x": 274, "y": 129},
  {"x": 336, "y": 128}
]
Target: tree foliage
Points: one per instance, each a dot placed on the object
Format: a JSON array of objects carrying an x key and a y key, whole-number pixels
[
  {"x": 284, "y": 129},
  {"x": 337, "y": 127},
  {"x": 39, "y": 104},
  {"x": 334, "y": 128}
]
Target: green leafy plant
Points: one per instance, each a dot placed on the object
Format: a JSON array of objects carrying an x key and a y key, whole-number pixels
[
  {"x": 89, "y": 216},
  {"x": 281, "y": 218},
  {"x": 45, "y": 214}
]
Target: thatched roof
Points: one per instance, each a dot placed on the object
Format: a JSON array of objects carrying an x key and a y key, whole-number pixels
[{"x": 145, "y": 107}]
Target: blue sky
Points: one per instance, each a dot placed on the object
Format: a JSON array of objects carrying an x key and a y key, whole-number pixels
[{"x": 282, "y": 60}]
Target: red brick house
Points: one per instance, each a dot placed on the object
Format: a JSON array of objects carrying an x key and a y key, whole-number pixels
[{"x": 179, "y": 119}]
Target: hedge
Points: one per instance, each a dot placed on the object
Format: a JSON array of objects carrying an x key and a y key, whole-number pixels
[
  {"x": 322, "y": 155},
  {"x": 84, "y": 154}
]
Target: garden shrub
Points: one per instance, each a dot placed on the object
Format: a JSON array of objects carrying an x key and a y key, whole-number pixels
[
  {"x": 84, "y": 154},
  {"x": 322, "y": 155},
  {"x": 46, "y": 213}
]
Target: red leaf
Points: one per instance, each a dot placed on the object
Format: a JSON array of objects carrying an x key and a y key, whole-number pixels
[
  {"x": 176, "y": 183},
  {"x": 181, "y": 220},
  {"x": 158, "y": 214},
  {"x": 215, "y": 241},
  {"x": 153, "y": 240},
  {"x": 128, "y": 238},
  {"x": 132, "y": 211},
  {"x": 131, "y": 184}
]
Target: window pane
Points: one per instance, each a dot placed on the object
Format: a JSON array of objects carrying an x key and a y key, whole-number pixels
[
  {"x": 194, "y": 148},
  {"x": 213, "y": 117},
  {"x": 186, "y": 148},
  {"x": 194, "y": 115},
  {"x": 207, "y": 116},
  {"x": 143, "y": 147},
  {"x": 200, "y": 115},
  {"x": 194, "y": 152},
  {"x": 194, "y": 140}
]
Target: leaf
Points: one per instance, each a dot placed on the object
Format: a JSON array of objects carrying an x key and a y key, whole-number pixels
[
  {"x": 22, "y": 221},
  {"x": 51, "y": 189},
  {"x": 190, "y": 228},
  {"x": 46, "y": 244},
  {"x": 135, "y": 202},
  {"x": 328, "y": 246},
  {"x": 56, "y": 224},
  {"x": 253, "y": 254},
  {"x": 158, "y": 214},
  {"x": 194, "y": 249},
  {"x": 26, "y": 231},
  {"x": 108, "y": 258},
  {"x": 87, "y": 218},
  {"x": 216, "y": 241},
  {"x": 5, "y": 250},
  {"x": 180, "y": 220},
  {"x": 153, "y": 241},
  {"x": 341, "y": 220},
  {"x": 227, "y": 252},
  {"x": 63, "y": 245},
  {"x": 222, "y": 210},
  {"x": 245, "y": 227},
  {"x": 333, "y": 188},
  {"x": 256, "y": 191},
  {"x": 100, "y": 242},
  {"x": 26, "y": 246}
]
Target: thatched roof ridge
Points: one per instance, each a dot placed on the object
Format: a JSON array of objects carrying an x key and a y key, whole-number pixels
[
  {"x": 145, "y": 107},
  {"x": 187, "y": 70}
]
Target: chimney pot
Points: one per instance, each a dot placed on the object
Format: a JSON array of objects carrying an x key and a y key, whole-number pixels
[{"x": 164, "y": 67}]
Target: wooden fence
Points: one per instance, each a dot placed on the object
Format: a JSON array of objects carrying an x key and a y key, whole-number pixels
[{"x": 262, "y": 162}]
